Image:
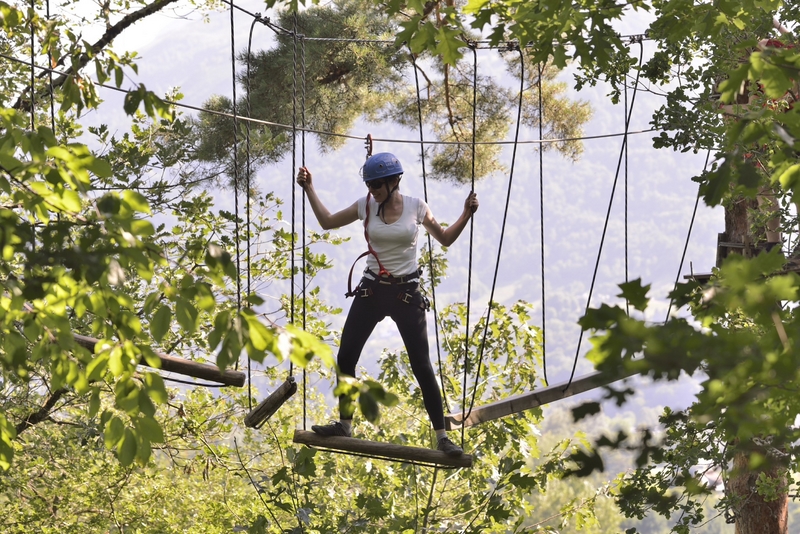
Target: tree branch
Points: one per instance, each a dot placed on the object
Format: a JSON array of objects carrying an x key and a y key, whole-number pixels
[
  {"x": 42, "y": 413},
  {"x": 111, "y": 33}
]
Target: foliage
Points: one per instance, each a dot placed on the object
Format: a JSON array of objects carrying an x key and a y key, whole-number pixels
[
  {"x": 81, "y": 255},
  {"x": 740, "y": 339},
  {"x": 77, "y": 258},
  {"x": 323, "y": 81},
  {"x": 122, "y": 243},
  {"x": 230, "y": 478}
]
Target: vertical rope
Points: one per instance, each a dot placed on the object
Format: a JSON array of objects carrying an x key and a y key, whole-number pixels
[
  {"x": 625, "y": 116},
  {"x": 236, "y": 172},
  {"x": 248, "y": 170},
  {"x": 50, "y": 78},
  {"x": 294, "y": 185},
  {"x": 541, "y": 219},
  {"x": 303, "y": 217},
  {"x": 502, "y": 231},
  {"x": 471, "y": 232},
  {"x": 608, "y": 214},
  {"x": 33, "y": 66},
  {"x": 430, "y": 242},
  {"x": 686, "y": 244}
]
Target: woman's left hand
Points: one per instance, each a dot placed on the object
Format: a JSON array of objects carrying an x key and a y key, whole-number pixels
[{"x": 471, "y": 203}]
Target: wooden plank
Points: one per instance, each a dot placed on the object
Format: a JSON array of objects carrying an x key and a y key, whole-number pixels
[
  {"x": 270, "y": 405},
  {"x": 181, "y": 366},
  {"x": 387, "y": 451},
  {"x": 533, "y": 399}
]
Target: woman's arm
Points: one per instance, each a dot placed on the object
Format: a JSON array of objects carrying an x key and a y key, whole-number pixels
[
  {"x": 326, "y": 219},
  {"x": 447, "y": 236}
]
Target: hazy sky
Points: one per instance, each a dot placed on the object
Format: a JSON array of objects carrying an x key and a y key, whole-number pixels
[{"x": 195, "y": 55}]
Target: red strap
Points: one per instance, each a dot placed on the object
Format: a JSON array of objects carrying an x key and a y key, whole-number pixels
[{"x": 381, "y": 272}]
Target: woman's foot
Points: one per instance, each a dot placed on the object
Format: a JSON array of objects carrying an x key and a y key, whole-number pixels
[
  {"x": 449, "y": 448},
  {"x": 334, "y": 428}
]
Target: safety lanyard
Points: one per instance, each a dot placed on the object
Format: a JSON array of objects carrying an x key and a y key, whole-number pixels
[{"x": 381, "y": 270}]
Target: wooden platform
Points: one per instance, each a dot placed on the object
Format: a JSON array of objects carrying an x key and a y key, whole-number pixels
[
  {"x": 385, "y": 451},
  {"x": 204, "y": 371},
  {"x": 526, "y": 401},
  {"x": 270, "y": 405}
]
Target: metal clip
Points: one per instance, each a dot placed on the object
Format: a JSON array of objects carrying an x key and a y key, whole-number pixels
[
  {"x": 405, "y": 297},
  {"x": 365, "y": 291}
]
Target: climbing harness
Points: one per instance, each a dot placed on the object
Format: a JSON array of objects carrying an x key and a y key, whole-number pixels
[
  {"x": 383, "y": 277},
  {"x": 370, "y": 251}
]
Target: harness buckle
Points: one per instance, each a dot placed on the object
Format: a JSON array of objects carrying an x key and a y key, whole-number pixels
[
  {"x": 405, "y": 297},
  {"x": 365, "y": 291}
]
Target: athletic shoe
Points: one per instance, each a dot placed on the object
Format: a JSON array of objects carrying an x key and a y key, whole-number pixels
[
  {"x": 449, "y": 448},
  {"x": 334, "y": 428}
]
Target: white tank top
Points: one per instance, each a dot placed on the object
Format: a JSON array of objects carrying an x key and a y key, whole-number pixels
[{"x": 396, "y": 243}]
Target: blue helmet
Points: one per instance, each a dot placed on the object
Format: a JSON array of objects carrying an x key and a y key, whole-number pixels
[{"x": 380, "y": 166}]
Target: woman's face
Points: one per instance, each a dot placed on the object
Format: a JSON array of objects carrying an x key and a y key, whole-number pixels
[{"x": 378, "y": 188}]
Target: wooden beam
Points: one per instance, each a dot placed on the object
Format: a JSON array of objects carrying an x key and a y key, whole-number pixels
[
  {"x": 181, "y": 366},
  {"x": 270, "y": 405},
  {"x": 527, "y": 401},
  {"x": 386, "y": 451}
]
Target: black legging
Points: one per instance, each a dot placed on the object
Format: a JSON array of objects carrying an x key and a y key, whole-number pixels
[{"x": 366, "y": 312}]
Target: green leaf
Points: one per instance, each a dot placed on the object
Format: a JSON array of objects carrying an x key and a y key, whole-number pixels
[
  {"x": 132, "y": 101},
  {"x": 369, "y": 406},
  {"x": 100, "y": 167},
  {"x": 136, "y": 201},
  {"x": 186, "y": 314},
  {"x": 94, "y": 402},
  {"x": 304, "y": 464},
  {"x": 150, "y": 429},
  {"x": 635, "y": 293},
  {"x": 585, "y": 410},
  {"x": 449, "y": 45},
  {"x": 154, "y": 385},
  {"x": 126, "y": 450},
  {"x": 7, "y": 435},
  {"x": 160, "y": 323},
  {"x": 259, "y": 335},
  {"x": 96, "y": 369},
  {"x": 114, "y": 430},
  {"x": 730, "y": 87},
  {"x": 221, "y": 326},
  {"x": 115, "y": 361}
]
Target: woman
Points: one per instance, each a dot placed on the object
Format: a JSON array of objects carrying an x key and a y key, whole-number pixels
[{"x": 390, "y": 285}]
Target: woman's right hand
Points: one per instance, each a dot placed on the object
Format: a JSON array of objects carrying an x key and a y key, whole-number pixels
[{"x": 304, "y": 177}]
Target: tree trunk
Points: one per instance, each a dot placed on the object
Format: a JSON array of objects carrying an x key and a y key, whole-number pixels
[{"x": 752, "y": 513}]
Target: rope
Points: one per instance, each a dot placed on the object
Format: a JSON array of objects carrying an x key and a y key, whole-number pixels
[
  {"x": 33, "y": 67},
  {"x": 50, "y": 79},
  {"x": 478, "y": 43},
  {"x": 190, "y": 383},
  {"x": 430, "y": 243},
  {"x": 502, "y": 235},
  {"x": 294, "y": 187},
  {"x": 686, "y": 244},
  {"x": 541, "y": 221},
  {"x": 608, "y": 216},
  {"x": 625, "y": 231},
  {"x": 347, "y": 136},
  {"x": 303, "y": 214},
  {"x": 377, "y": 456},
  {"x": 471, "y": 234},
  {"x": 236, "y": 173},
  {"x": 248, "y": 171}
]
